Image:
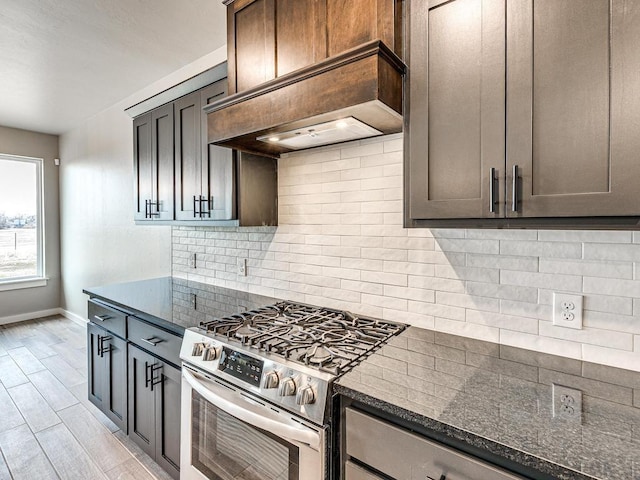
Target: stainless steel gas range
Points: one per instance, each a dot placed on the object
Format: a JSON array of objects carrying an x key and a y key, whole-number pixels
[{"x": 256, "y": 388}]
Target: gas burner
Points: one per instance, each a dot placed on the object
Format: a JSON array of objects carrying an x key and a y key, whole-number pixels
[
  {"x": 243, "y": 332},
  {"x": 318, "y": 355}
]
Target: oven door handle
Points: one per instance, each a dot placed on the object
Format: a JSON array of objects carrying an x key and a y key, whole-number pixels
[{"x": 246, "y": 414}]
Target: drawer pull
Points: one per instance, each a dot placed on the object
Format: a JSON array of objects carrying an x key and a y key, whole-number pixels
[
  {"x": 153, "y": 341},
  {"x": 101, "y": 318}
]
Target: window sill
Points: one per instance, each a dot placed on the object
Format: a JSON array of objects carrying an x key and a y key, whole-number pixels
[{"x": 23, "y": 283}]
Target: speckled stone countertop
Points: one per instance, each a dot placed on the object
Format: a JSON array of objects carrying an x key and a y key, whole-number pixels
[
  {"x": 499, "y": 398},
  {"x": 176, "y": 303}
]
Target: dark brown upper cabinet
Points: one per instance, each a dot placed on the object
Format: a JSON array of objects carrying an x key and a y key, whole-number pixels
[
  {"x": 523, "y": 112},
  {"x": 295, "y": 64},
  {"x": 353, "y": 22},
  {"x": 204, "y": 174},
  {"x": 456, "y": 123},
  {"x": 270, "y": 38},
  {"x": 153, "y": 165},
  {"x": 181, "y": 178}
]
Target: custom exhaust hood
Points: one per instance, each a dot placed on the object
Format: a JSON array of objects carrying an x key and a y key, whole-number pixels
[{"x": 305, "y": 73}]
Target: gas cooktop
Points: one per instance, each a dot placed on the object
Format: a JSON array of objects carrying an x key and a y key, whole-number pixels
[
  {"x": 331, "y": 340},
  {"x": 286, "y": 353}
]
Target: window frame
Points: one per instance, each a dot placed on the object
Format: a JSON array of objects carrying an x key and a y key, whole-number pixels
[{"x": 39, "y": 279}]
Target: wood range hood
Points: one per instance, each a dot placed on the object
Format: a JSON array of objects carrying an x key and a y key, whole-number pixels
[{"x": 305, "y": 73}]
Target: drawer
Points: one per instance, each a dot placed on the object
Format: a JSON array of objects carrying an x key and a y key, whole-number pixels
[
  {"x": 404, "y": 455},
  {"x": 355, "y": 472},
  {"x": 108, "y": 318},
  {"x": 155, "y": 340}
]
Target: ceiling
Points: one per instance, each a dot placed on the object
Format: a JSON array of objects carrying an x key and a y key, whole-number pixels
[{"x": 62, "y": 61}]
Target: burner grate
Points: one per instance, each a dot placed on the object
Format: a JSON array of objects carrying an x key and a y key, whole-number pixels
[{"x": 327, "y": 339}]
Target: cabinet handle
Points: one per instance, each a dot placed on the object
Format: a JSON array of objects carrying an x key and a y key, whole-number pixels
[
  {"x": 101, "y": 349},
  {"x": 147, "y": 209},
  {"x": 209, "y": 202},
  {"x": 146, "y": 374},
  {"x": 155, "y": 381},
  {"x": 148, "y": 213},
  {"x": 101, "y": 318},
  {"x": 105, "y": 350},
  {"x": 492, "y": 191},
  {"x": 201, "y": 211},
  {"x": 514, "y": 190},
  {"x": 153, "y": 341},
  {"x": 149, "y": 370}
]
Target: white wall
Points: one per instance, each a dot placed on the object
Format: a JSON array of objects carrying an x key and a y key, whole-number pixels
[
  {"x": 341, "y": 243},
  {"x": 100, "y": 242},
  {"x": 37, "y": 145}
]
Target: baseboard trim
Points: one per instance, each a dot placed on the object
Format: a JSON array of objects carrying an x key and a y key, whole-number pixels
[
  {"x": 73, "y": 317},
  {"x": 23, "y": 317}
]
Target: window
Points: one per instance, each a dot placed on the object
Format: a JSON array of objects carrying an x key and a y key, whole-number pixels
[{"x": 21, "y": 238}]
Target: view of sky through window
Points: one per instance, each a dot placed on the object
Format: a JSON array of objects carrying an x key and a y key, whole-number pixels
[{"x": 18, "y": 218}]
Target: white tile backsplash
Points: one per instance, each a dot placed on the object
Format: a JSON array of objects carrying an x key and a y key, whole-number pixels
[{"x": 341, "y": 243}]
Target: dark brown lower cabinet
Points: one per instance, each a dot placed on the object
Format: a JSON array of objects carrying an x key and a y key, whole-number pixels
[
  {"x": 108, "y": 374},
  {"x": 154, "y": 408}
]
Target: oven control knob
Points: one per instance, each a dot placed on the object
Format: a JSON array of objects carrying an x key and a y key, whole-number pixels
[
  {"x": 197, "y": 349},
  {"x": 270, "y": 379},
  {"x": 287, "y": 387},
  {"x": 210, "y": 353},
  {"x": 305, "y": 395}
]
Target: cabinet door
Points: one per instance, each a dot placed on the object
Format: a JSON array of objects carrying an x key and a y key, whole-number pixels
[
  {"x": 167, "y": 401},
  {"x": 457, "y": 123},
  {"x": 142, "y": 425},
  {"x": 115, "y": 401},
  {"x": 218, "y": 167},
  {"x": 142, "y": 166},
  {"x": 162, "y": 164},
  {"x": 353, "y": 22},
  {"x": 573, "y": 110},
  {"x": 97, "y": 381},
  {"x": 251, "y": 40},
  {"x": 301, "y": 33},
  {"x": 188, "y": 156}
]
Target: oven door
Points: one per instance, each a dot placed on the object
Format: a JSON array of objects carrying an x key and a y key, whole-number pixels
[{"x": 228, "y": 434}]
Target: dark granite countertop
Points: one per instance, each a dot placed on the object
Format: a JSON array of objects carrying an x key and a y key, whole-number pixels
[
  {"x": 499, "y": 399},
  {"x": 176, "y": 303}
]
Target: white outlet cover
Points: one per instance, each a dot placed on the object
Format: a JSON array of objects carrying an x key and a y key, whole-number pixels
[
  {"x": 567, "y": 403},
  {"x": 567, "y": 310},
  {"x": 242, "y": 267}
]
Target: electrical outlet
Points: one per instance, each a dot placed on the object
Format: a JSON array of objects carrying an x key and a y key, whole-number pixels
[
  {"x": 192, "y": 260},
  {"x": 567, "y": 403},
  {"x": 242, "y": 267},
  {"x": 567, "y": 310},
  {"x": 194, "y": 301}
]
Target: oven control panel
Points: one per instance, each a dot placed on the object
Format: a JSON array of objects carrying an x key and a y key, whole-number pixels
[
  {"x": 296, "y": 388},
  {"x": 241, "y": 366}
]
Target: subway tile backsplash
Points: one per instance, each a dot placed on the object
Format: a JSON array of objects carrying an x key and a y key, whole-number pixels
[{"x": 340, "y": 243}]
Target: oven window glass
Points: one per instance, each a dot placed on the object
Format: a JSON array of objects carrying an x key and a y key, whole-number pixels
[{"x": 225, "y": 448}]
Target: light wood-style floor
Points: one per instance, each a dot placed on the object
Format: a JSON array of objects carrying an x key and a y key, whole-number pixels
[{"x": 48, "y": 428}]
